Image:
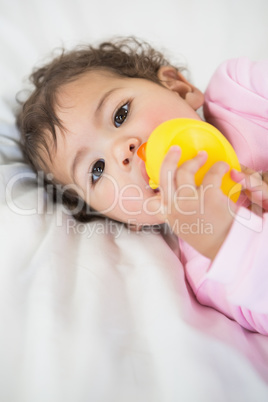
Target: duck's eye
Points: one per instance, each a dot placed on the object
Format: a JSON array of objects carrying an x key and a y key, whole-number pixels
[
  {"x": 97, "y": 170},
  {"x": 121, "y": 115}
]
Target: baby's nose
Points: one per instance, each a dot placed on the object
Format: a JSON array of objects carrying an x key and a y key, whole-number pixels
[{"x": 126, "y": 150}]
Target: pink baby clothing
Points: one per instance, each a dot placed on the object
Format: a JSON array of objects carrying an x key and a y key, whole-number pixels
[
  {"x": 236, "y": 282},
  {"x": 236, "y": 102}
]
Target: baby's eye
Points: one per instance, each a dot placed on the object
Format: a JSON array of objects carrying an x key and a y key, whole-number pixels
[
  {"x": 121, "y": 115},
  {"x": 97, "y": 170}
]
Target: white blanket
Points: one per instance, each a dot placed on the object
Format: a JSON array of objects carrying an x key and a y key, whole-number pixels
[{"x": 96, "y": 313}]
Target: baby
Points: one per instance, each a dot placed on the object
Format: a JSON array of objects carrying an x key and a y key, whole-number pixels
[{"x": 88, "y": 114}]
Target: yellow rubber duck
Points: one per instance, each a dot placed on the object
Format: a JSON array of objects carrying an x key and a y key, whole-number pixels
[{"x": 192, "y": 136}]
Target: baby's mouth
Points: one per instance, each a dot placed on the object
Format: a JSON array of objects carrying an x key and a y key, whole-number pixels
[
  {"x": 144, "y": 173},
  {"x": 146, "y": 178}
]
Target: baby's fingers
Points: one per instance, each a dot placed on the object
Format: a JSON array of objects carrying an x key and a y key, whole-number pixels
[
  {"x": 185, "y": 174},
  {"x": 254, "y": 185},
  {"x": 248, "y": 178},
  {"x": 213, "y": 178}
]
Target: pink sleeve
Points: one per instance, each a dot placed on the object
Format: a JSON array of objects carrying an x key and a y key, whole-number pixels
[
  {"x": 236, "y": 282},
  {"x": 236, "y": 102}
]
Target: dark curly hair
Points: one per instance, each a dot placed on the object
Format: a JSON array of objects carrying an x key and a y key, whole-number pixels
[{"x": 37, "y": 119}]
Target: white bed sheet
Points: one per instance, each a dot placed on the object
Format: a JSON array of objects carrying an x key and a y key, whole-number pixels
[{"x": 95, "y": 313}]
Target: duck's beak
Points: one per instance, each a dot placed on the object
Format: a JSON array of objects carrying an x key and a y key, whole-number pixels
[{"x": 141, "y": 152}]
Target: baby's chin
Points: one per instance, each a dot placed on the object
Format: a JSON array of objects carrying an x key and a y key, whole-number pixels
[
  {"x": 138, "y": 209},
  {"x": 144, "y": 221}
]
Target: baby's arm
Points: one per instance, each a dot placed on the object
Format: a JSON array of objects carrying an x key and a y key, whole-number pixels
[
  {"x": 235, "y": 283},
  {"x": 185, "y": 206},
  {"x": 234, "y": 276},
  {"x": 233, "y": 279}
]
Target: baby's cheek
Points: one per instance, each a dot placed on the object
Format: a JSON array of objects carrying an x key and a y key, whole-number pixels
[
  {"x": 118, "y": 202},
  {"x": 158, "y": 116},
  {"x": 130, "y": 200},
  {"x": 104, "y": 196},
  {"x": 108, "y": 196}
]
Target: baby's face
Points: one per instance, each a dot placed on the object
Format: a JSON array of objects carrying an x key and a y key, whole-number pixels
[{"x": 107, "y": 118}]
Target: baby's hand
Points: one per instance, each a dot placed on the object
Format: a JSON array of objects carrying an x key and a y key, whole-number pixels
[
  {"x": 254, "y": 185},
  {"x": 202, "y": 215}
]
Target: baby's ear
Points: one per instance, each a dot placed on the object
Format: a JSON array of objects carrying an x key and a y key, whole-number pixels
[{"x": 175, "y": 81}]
